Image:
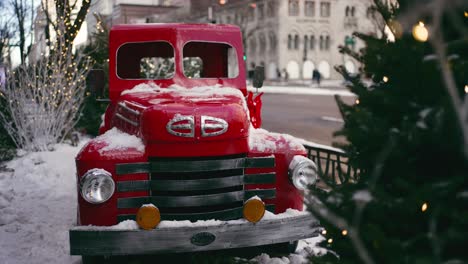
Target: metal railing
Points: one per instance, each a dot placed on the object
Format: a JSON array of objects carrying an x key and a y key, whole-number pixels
[{"x": 332, "y": 164}]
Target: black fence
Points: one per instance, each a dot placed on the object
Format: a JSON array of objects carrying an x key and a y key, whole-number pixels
[{"x": 332, "y": 164}]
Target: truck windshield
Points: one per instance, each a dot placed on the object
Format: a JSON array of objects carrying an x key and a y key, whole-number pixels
[
  {"x": 210, "y": 60},
  {"x": 145, "y": 60}
]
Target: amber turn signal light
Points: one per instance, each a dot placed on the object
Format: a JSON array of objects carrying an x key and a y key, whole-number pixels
[
  {"x": 148, "y": 217},
  {"x": 254, "y": 210}
]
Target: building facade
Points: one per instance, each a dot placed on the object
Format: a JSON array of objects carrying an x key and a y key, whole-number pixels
[{"x": 298, "y": 36}]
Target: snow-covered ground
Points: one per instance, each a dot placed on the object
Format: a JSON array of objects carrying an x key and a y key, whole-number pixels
[{"x": 38, "y": 206}]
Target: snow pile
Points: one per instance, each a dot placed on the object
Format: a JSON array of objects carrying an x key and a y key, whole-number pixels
[
  {"x": 38, "y": 206},
  {"x": 262, "y": 140},
  {"x": 118, "y": 140},
  {"x": 305, "y": 248}
]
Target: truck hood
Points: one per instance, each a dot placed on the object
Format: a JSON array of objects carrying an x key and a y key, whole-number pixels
[{"x": 198, "y": 114}]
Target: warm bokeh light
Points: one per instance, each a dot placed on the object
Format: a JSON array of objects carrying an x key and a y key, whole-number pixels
[
  {"x": 330, "y": 240},
  {"x": 222, "y": 2},
  {"x": 385, "y": 79},
  {"x": 357, "y": 101},
  {"x": 420, "y": 32},
  {"x": 344, "y": 232},
  {"x": 466, "y": 88},
  {"x": 324, "y": 232},
  {"x": 424, "y": 207}
]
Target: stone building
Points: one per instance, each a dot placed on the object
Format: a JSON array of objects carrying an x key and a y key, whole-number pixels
[{"x": 297, "y": 36}]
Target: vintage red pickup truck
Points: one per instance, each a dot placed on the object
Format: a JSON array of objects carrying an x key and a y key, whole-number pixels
[{"x": 181, "y": 141}]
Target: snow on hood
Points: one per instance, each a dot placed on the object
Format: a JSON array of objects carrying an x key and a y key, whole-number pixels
[
  {"x": 195, "y": 94},
  {"x": 118, "y": 140},
  {"x": 262, "y": 140}
]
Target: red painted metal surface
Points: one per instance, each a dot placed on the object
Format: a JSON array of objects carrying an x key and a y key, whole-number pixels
[
  {"x": 177, "y": 35},
  {"x": 155, "y": 110}
]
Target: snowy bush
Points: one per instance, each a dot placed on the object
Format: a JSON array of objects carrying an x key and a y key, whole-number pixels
[{"x": 43, "y": 99}]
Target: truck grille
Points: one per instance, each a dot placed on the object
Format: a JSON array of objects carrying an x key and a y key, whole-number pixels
[{"x": 196, "y": 189}]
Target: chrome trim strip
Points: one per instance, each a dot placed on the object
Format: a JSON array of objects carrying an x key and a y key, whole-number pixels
[
  {"x": 133, "y": 123},
  {"x": 126, "y": 108}
]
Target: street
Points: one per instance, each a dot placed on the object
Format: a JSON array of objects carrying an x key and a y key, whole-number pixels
[{"x": 311, "y": 117}]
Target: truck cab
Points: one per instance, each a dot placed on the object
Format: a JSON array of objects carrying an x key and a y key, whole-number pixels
[{"x": 180, "y": 141}]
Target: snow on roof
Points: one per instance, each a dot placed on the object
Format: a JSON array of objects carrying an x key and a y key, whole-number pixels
[
  {"x": 262, "y": 140},
  {"x": 118, "y": 140}
]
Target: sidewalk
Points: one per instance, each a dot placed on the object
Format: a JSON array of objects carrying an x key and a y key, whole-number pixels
[{"x": 327, "y": 87}]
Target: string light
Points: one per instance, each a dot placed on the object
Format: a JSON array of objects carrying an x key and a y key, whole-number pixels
[
  {"x": 466, "y": 89},
  {"x": 344, "y": 232},
  {"x": 324, "y": 232},
  {"x": 424, "y": 207},
  {"x": 357, "y": 101},
  {"x": 466, "y": 14},
  {"x": 330, "y": 240},
  {"x": 420, "y": 32},
  {"x": 385, "y": 79}
]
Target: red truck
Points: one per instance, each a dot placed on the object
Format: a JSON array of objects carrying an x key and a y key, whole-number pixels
[{"x": 180, "y": 141}]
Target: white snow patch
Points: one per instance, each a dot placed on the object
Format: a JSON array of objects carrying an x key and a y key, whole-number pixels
[
  {"x": 143, "y": 88},
  {"x": 362, "y": 196},
  {"x": 307, "y": 247},
  {"x": 130, "y": 224},
  {"x": 149, "y": 205},
  {"x": 194, "y": 94},
  {"x": 254, "y": 198},
  {"x": 38, "y": 206},
  {"x": 262, "y": 140},
  {"x": 118, "y": 140}
]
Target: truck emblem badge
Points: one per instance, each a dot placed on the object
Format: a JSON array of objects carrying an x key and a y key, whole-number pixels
[
  {"x": 212, "y": 126},
  {"x": 184, "y": 123},
  {"x": 202, "y": 239}
]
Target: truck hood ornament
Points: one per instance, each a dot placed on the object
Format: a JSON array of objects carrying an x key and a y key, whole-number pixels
[
  {"x": 212, "y": 126},
  {"x": 184, "y": 126},
  {"x": 184, "y": 123}
]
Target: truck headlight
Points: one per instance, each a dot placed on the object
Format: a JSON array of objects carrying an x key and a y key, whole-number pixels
[
  {"x": 97, "y": 186},
  {"x": 303, "y": 172}
]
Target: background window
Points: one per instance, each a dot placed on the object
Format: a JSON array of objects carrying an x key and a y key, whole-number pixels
[
  {"x": 309, "y": 8},
  {"x": 324, "y": 9},
  {"x": 147, "y": 60},
  {"x": 293, "y": 7}
]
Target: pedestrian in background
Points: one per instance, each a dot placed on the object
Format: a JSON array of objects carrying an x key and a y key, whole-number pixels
[
  {"x": 316, "y": 77},
  {"x": 286, "y": 75}
]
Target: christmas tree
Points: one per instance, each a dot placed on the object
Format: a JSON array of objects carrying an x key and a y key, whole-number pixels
[{"x": 407, "y": 137}]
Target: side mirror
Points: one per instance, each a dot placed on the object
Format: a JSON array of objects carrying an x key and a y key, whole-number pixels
[
  {"x": 259, "y": 76},
  {"x": 96, "y": 80}
]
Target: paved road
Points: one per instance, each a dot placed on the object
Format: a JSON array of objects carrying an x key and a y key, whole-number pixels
[{"x": 312, "y": 117}]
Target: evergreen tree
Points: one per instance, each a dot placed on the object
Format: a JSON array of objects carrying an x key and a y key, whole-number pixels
[
  {"x": 409, "y": 203},
  {"x": 98, "y": 50}
]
